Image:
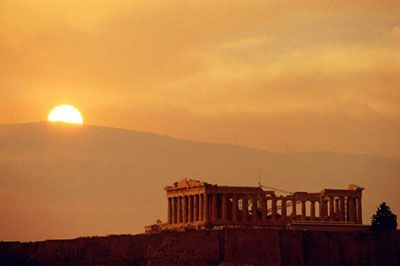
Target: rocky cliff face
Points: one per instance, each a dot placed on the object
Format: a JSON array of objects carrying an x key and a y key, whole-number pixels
[{"x": 213, "y": 247}]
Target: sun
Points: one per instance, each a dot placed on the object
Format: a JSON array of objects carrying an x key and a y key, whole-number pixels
[{"x": 66, "y": 114}]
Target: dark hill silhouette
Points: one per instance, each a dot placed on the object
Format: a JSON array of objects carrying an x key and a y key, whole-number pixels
[{"x": 63, "y": 181}]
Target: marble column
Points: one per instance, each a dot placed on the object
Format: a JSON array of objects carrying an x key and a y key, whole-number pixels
[
  {"x": 350, "y": 202},
  {"x": 354, "y": 209},
  {"x": 245, "y": 208},
  {"x": 326, "y": 210},
  {"x": 303, "y": 210},
  {"x": 179, "y": 200},
  {"x": 201, "y": 207},
  {"x": 255, "y": 208},
  {"x": 224, "y": 208},
  {"x": 215, "y": 206},
  {"x": 184, "y": 209},
  {"x": 263, "y": 209},
  {"x": 196, "y": 208},
  {"x": 342, "y": 216},
  {"x": 190, "y": 208},
  {"x": 331, "y": 208},
  {"x": 294, "y": 208},
  {"x": 284, "y": 210},
  {"x": 206, "y": 206},
  {"x": 354, "y": 201},
  {"x": 170, "y": 210},
  {"x": 337, "y": 209},
  {"x": 234, "y": 207},
  {"x": 274, "y": 209},
  {"x": 174, "y": 207},
  {"x": 312, "y": 210},
  {"x": 359, "y": 211},
  {"x": 322, "y": 209}
]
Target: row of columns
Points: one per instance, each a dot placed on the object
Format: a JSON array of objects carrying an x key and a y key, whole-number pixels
[
  {"x": 344, "y": 209},
  {"x": 225, "y": 207},
  {"x": 184, "y": 209}
]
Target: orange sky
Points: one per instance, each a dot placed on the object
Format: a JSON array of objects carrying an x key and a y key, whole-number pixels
[{"x": 287, "y": 76}]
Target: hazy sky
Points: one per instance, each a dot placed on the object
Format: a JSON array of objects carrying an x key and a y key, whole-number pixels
[{"x": 287, "y": 76}]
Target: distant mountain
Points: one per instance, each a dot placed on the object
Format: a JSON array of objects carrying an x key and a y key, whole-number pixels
[{"x": 64, "y": 181}]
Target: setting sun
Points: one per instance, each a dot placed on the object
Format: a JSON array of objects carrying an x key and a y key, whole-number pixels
[{"x": 66, "y": 114}]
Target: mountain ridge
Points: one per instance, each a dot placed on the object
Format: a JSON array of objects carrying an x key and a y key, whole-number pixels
[
  {"x": 66, "y": 181},
  {"x": 126, "y": 130}
]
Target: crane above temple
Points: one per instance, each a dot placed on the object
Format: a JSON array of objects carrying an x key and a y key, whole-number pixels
[{"x": 193, "y": 204}]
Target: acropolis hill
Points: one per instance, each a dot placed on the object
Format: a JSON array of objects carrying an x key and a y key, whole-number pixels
[{"x": 222, "y": 225}]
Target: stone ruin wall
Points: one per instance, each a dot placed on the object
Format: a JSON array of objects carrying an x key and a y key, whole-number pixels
[
  {"x": 195, "y": 204},
  {"x": 213, "y": 247}
]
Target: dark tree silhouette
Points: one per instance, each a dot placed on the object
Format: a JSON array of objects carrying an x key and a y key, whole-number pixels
[{"x": 384, "y": 219}]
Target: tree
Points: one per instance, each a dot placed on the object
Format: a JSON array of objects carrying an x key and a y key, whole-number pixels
[{"x": 384, "y": 219}]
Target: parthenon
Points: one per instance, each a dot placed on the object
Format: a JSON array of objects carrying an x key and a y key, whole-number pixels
[{"x": 196, "y": 204}]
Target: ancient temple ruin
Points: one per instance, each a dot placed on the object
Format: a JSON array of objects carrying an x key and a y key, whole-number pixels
[{"x": 195, "y": 204}]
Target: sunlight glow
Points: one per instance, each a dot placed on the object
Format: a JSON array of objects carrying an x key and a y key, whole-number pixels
[{"x": 66, "y": 114}]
